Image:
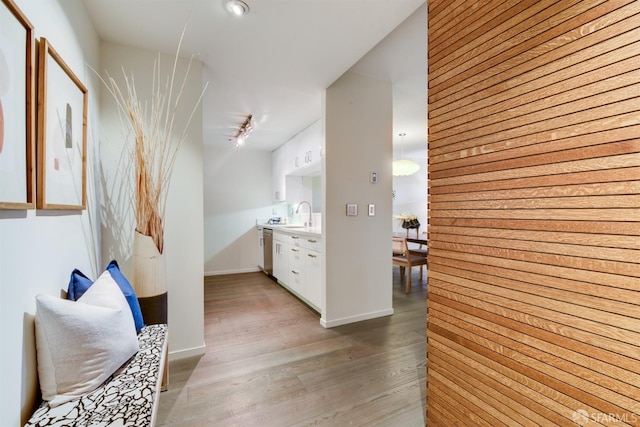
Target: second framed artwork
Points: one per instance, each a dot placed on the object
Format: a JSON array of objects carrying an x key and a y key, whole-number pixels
[{"x": 62, "y": 134}]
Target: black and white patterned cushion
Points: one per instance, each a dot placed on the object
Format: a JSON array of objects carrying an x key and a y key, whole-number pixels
[{"x": 128, "y": 398}]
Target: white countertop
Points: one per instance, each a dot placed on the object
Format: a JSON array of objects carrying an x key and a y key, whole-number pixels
[{"x": 293, "y": 229}]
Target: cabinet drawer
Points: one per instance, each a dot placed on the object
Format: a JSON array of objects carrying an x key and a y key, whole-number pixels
[
  {"x": 312, "y": 243},
  {"x": 296, "y": 256},
  {"x": 295, "y": 282},
  {"x": 296, "y": 240}
]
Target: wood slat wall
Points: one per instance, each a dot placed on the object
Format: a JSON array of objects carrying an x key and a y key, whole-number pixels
[{"x": 534, "y": 213}]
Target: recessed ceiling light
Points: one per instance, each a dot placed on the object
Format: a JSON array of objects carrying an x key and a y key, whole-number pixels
[{"x": 237, "y": 7}]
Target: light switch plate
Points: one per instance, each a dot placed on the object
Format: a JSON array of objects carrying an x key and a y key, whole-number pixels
[
  {"x": 352, "y": 209},
  {"x": 372, "y": 209}
]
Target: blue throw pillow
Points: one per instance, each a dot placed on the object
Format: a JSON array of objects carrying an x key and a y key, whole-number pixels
[
  {"x": 78, "y": 284},
  {"x": 128, "y": 292}
]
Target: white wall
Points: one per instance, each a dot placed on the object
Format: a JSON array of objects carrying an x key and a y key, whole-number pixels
[
  {"x": 237, "y": 191},
  {"x": 39, "y": 249},
  {"x": 358, "y": 271},
  {"x": 411, "y": 192},
  {"x": 183, "y": 246}
]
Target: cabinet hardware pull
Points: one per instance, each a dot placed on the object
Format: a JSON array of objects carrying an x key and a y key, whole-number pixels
[
  {"x": 312, "y": 241},
  {"x": 311, "y": 256}
]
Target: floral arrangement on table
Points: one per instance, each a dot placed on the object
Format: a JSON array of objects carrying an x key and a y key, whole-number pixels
[{"x": 408, "y": 220}]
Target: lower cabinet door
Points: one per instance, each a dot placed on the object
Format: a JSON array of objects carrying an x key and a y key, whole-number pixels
[
  {"x": 296, "y": 268},
  {"x": 281, "y": 261},
  {"x": 313, "y": 289},
  {"x": 295, "y": 282}
]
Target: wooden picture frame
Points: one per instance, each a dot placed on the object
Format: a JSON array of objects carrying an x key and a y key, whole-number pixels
[
  {"x": 17, "y": 108},
  {"x": 62, "y": 134}
]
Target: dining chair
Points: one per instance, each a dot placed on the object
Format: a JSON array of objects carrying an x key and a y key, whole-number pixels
[
  {"x": 398, "y": 246},
  {"x": 406, "y": 260},
  {"x": 419, "y": 251}
]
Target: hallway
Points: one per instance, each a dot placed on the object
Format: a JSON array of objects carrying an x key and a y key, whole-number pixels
[{"x": 268, "y": 362}]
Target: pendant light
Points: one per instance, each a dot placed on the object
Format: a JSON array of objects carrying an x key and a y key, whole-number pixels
[{"x": 404, "y": 167}]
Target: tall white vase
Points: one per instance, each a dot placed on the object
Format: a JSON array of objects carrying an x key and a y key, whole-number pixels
[{"x": 149, "y": 279}]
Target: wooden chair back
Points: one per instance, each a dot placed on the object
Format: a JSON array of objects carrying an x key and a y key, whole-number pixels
[
  {"x": 399, "y": 246},
  {"x": 406, "y": 260}
]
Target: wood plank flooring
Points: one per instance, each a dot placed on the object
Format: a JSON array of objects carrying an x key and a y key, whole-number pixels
[{"x": 268, "y": 362}]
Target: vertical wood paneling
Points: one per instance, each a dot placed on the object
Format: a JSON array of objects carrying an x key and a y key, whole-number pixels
[{"x": 534, "y": 213}]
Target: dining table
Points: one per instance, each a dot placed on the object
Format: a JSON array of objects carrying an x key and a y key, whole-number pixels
[{"x": 408, "y": 237}]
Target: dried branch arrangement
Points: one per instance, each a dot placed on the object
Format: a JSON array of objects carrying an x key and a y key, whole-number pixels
[{"x": 155, "y": 142}]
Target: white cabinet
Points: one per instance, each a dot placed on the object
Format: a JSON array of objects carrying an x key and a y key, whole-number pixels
[
  {"x": 260, "y": 249},
  {"x": 296, "y": 269},
  {"x": 311, "y": 271},
  {"x": 307, "y": 147},
  {"x": 280, "y": 257},
  {"x": 278, "y": 183},
  {"x": 312, "y": 278},
  {"x": 299, "y": 156},
  {"x": 300, "y": 265}
]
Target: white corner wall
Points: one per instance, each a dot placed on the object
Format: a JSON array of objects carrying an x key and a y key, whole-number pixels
[
  {"x": 184, "y": 219},
  {"x": 39, "y": 249},
  {"x": 358, "y": 270},
  {"x": 237, "y": 191}
]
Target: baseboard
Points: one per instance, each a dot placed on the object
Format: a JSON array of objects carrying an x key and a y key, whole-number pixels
[
  {"x": 237, "y": 271},
  {"x": 354, "y": 319},
  {"x": 189, "y": 352}
]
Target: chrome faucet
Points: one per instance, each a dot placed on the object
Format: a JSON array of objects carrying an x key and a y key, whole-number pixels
[{"x": 298, "y": 210}]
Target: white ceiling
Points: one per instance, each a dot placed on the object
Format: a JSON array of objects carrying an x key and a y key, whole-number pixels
[{"x": 275, "y": 62}]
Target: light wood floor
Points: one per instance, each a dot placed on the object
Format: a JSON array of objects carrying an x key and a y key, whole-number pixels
[{"x": 268, "y": 362}]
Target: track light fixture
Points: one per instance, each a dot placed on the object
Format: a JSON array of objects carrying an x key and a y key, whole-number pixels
[{"x": 243, "y": 131}]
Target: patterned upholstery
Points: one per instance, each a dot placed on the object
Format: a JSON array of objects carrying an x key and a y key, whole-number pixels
[{"x": 128, "y": 398}]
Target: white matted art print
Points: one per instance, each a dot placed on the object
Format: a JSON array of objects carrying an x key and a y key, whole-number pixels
[
  {"x": 62, "y": 136},
  {"x": 16, "y": 108}
]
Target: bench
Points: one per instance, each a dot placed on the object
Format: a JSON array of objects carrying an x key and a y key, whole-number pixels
[{"x": 129, "y": 397}]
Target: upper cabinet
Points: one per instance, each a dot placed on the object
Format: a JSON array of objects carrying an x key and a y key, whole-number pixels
[
  {"x": 278, "y": 183},
  {"x": 306, "y": 148},
  {"x": 301, "y": 155}
]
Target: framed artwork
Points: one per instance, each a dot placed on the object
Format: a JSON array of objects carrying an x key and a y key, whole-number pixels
[
  {"x": 62, "y": 134},
  {"x": 17, "y": 109}
]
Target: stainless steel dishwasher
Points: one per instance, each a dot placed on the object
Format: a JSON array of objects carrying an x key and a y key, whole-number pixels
[{"x": 267, "y": 248}]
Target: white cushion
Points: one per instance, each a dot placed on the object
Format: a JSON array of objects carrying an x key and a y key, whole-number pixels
[{"x": 81, "y": 343}]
